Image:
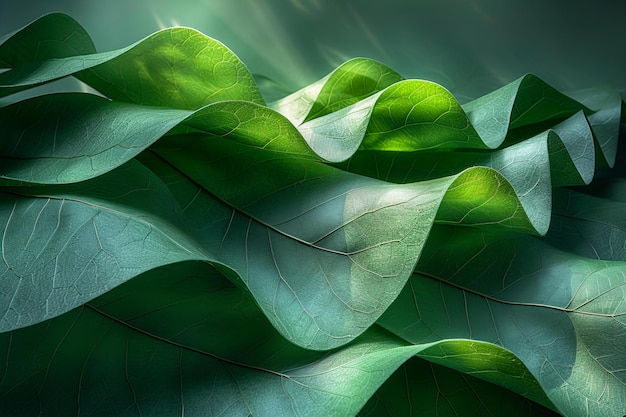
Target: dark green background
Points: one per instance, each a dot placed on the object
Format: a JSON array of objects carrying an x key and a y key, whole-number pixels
[{"x": 470, "y": 47}]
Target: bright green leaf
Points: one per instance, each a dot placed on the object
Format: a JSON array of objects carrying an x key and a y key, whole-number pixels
[
  {"x": 352, "y": 81},
  {"x": 178, "y": 67}
]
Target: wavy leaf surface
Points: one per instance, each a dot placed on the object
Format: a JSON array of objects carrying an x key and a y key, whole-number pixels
[
  {"x": 349, "y": 83},
  {"x": 589, "y": 226},
  {"x": 66, "y": 138},
  {"x": 129, "y": 357},
  {"x": 421, "y": 387},
  {"x": 327, "y": 227},
  {"x": 562, "y": 315},
  {"x": 360, "y": 201},
  {"x": 36, "y": 42},
  {"x": 178, "y": 67},
  {"x": 348, "y": 263},
  {"x": 83, "y": 241},
  {"x": 124, "y": 362}
]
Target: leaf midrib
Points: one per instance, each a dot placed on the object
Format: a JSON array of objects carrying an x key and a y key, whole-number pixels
[
  {"x": 170, "y": 342},
  {"x": 515, "y": 303},
  {"x": 265, "y": 224}
]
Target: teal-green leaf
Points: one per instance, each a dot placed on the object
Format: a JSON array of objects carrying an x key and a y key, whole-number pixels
[
  {"x": 55, "y": 35},
  {"x": 52, "y": 36},
  {"x": 322, "y": 251},
  {"x": 353, "y": 238},
  {"x": 72, "y": 137},
  {"x": 61, "y": 248},
  {"x": 562, "y": 315},
  {"x": 588, "y": 226},
  {"x": 421, "y": 387},
  {"x": 606, "y": 104},
  {"x": 415, "y": 115},
  {"x": 64, "y": 138},
  {"x": 563, "y": 155},
  {"x": 181, "y": 339},
  {"x": 526, "y": 101},
  {"x": 361, "y": 201},
  {"x": 271, "y": 217}
]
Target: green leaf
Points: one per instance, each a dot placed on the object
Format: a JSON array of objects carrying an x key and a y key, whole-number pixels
[
  {"x": 178, "y": 340},
  {"x": 306, "y": 226},
  {"x": 562, "y": 315},
  {"x": 65, "y": 138},
  {"x": 327, "y": 227},
  {"x": 36, "y": 42},
  {"x": 606, "y": 104},
  {"x": 420, "y": 387},
  {"x": 178, "y": 67},
  {"x": 355, "y": 239},
  {"x": 589, "y": 226},
  {"x": 526, "y": 101},
  {"x": 409, "y": 115},
  {"x": 143, "y": 348},
  {"x": 61, "y": 248},
  {"x": 349, "y": 83},
  {"x": 418, "y": 115},
  {"x": 562, "y": 155},
  {"x": 55, "y": 35},
  {"x": 179, "y": 247},
  {"x": 405, "y": 116},
  {"x": 413, "y": 115}
]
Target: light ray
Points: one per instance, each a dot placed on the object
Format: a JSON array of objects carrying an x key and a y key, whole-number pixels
[
  {"x": 262, "y": 32},
  {"x": 158, "y": 20}
]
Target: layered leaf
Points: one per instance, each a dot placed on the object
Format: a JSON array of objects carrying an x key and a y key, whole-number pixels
[
  {"x": 63, "y": 247},
  {"x": 53, "y": 36},
  {"x": 124, "y": 355},
  {"x": 355, "y": 239},
  {"x": 606, "y": 104},
  {"x": 177, "y": 67},
  {"x": 526, "y": 101},
  {"x": 421, "y": 387},
  {"x": 161, "y": 344},
  {"x": 589, "y": 226},
  {"x": 349, "y": 83},
  {"x": 349, "y": 264},
  {"x": 175, "y": 245},
  {"x": 66, "y": 138},
  {"x": 562, "y": 315}
]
